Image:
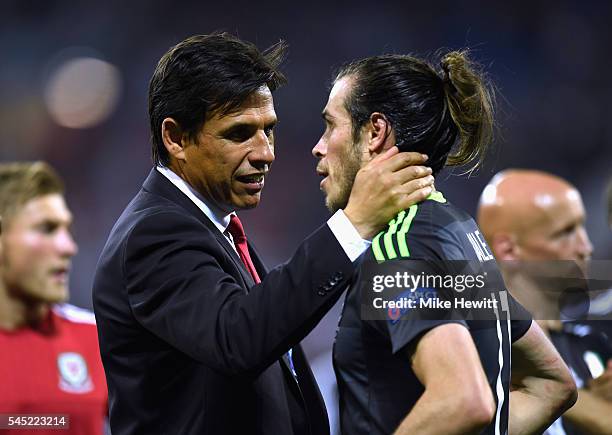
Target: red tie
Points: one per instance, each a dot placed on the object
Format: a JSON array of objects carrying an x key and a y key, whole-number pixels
[{"x": 240, "y": 241}]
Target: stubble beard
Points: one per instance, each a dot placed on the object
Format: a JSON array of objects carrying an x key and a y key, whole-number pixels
[{"x": 347, "y": 171}]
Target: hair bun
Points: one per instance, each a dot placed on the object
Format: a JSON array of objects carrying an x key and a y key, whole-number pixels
[
  {"x": 453, "y": 63},
  {"x": 469, "y": 98}
]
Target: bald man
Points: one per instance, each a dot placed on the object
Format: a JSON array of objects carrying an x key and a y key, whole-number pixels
[
  {"x": 533, "y": 215},
  {"x": 534, "y": 224}
]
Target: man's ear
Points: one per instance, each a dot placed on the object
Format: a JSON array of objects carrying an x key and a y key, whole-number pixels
[
  {"x": 379, "y": 133},
  {"x": 172, "y": 136},
  {"x": 504, "y": 247}
]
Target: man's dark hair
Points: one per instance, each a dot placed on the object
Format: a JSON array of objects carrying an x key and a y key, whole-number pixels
[
  {"x": 427, "y": 110},
  {"x": 206, "y": 75}
]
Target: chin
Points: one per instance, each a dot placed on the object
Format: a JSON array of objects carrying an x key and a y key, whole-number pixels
[
  {"x": 56, "y": 296},
  {"x": 338, "y": 199},
  {"x": 247, "y": 205},
  {"x": 334, "y": 204},
  {"x": 331, "y": 206}
]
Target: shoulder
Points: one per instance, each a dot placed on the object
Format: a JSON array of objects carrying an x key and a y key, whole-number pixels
[
  {"x": 167, "y": 236},
  {"x": 166, "y": 223},
  {"x": 74, "y": 314},
  {"x": 151, "y": 215},
  {"x": 425, "y": 230},
  {"x": 146, "y": 220},
  {"x": 147, "y": 206}
]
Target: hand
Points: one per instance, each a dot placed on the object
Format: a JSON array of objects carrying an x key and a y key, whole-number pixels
[
  {"x": 602, "y": 385},
  {"x": 388, "y": 184}
]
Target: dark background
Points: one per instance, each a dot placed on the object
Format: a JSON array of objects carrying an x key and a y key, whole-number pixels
[{"x": 549, "y": 60}]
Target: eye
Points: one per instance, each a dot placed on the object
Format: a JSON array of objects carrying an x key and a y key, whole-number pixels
[
  {"x": 269, "y": 131},
  {"x": 567, "y": 231},
  {"x": 241, "y": 134},
  {"x": 47, "y": 227},
  {"x": 328, "y": 128}
]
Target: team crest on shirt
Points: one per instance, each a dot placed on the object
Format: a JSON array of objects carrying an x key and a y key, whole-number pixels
[{"x": 74, "y": 375}]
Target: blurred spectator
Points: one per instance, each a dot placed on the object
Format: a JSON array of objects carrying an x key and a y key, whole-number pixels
[
  {"x": 50, "y": 362},
  {"x": 534, "y": 223}
]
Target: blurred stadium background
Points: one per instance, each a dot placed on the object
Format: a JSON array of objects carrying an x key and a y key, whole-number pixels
[{"x": 74, "y": 79}]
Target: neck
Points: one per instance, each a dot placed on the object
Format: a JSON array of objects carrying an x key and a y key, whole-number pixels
[
  {"x": 16, "y": 313},
  {"x": 542, "y": 303}
]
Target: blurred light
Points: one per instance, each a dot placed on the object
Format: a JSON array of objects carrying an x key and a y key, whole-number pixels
[
  {"x": 594, "y": 363},
  {"x": 544, "y": 200},
  {"x": 489, "y": 194},
  {"x": 82, "y": 92}
]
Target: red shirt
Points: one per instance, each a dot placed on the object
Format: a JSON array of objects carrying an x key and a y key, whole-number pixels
[{"x": 55, "y": 369}]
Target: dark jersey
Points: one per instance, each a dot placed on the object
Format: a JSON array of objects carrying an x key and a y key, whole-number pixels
[
  {"x": 439, "y": 245},
  {"x": 585, "y": 350}
]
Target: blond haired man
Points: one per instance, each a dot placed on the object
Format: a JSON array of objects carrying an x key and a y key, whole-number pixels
[{"x": 49, "y": 363}]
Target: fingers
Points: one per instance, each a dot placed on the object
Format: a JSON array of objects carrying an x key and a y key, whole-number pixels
[
  {"x": 387, "y": 154},
  {"x": 400, "y": 166},
  {"x": 415, "y": 191},
  {"x": 393, "y": 160},
  {"x": 414, "y": 197},
  {"x": 411, "y": 191},
  {"x": 410, "y": 173},
  {"x": 403, "y": 160}
]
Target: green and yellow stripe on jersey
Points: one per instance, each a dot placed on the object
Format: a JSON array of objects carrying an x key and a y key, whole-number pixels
[{"x": 383, "y": 247}]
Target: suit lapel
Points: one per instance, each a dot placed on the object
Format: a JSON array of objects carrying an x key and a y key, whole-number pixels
[
  {"x": 244, "y": 273},
  {"x": 157, "y": 184}
]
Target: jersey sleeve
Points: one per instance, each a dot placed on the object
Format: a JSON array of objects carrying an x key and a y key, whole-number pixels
[
  {"x": 520, "y": 318},
  {"x": 405, "y": 279}
]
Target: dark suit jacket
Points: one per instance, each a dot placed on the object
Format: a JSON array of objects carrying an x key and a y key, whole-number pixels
[{"x": 189, "y": 344}]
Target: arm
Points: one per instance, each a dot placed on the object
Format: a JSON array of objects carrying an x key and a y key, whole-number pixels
[
  {"x": 542, "y": 386},
  {"x": 591, "y": 414},
  {"x": 446, "y": 362},
  {"x": 183, "y": 289},
  {"x": 602, "y": 385}
]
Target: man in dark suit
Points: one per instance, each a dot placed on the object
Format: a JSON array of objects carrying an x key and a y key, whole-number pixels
[{"x": 195, "y": 335}]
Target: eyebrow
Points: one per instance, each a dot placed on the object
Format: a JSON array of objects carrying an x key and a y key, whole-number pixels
[
  {"x": 247, "y": 126},
  {"x": 570, "y": 226},
  {"x": 271, "y": 124},
  {"x": 61, "y": 220},
  {"x": 326, "y": 116}
]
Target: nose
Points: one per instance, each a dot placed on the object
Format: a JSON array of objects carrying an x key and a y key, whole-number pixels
[
  {"x": 585, "y": 247},
  {"x": 65, "y": 244},
  {"x": 320, "y": 149},
  {"x": 263, "y": 153}
]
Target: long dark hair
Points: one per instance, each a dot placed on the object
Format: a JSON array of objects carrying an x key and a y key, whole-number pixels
[{"x": 429, "y": 111}]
